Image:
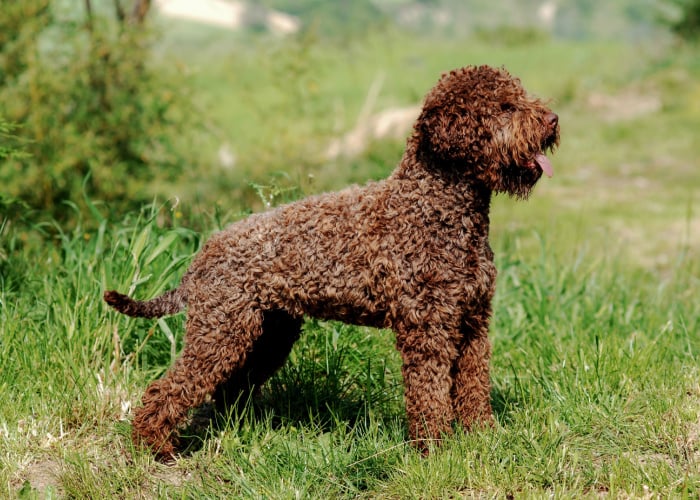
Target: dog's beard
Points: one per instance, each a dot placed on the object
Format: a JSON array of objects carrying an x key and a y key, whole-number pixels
[{"x": 518, "y": 181}]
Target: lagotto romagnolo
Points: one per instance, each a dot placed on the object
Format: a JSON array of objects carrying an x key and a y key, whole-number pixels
[{"x": 409, "y": 253}]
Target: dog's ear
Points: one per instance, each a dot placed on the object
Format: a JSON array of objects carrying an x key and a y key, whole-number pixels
[
  {"x": 453, "y": 125},
  {"x": 449, "y": 131}
]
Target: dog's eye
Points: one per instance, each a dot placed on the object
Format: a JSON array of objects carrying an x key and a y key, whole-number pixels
[{"x": 507, "y": 107}]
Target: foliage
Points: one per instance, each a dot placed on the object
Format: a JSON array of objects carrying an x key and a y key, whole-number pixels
[
  {"x": 9, "y": 146},
  {"x": 94, "y": 116},
  {"x": 20, "y": 21},
  {"x": 10, "y": 207},
  {"x": 687, "y": 23}
]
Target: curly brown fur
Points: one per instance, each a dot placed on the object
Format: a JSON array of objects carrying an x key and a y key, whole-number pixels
[{"x": 410, "y": 253}]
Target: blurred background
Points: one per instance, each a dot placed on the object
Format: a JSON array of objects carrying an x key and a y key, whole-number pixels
[{"x": 231, "y": 106}]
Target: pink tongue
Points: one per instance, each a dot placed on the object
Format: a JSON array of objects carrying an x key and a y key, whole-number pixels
[{"x": 544, "y": 164}]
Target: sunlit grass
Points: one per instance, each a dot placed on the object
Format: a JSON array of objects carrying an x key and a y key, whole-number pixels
[{"x": 594, "y": 385}]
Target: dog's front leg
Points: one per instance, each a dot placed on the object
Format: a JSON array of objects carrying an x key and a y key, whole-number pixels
[
  {"x": 471, "y": 391},
  {"x": 428, "y": 355}
]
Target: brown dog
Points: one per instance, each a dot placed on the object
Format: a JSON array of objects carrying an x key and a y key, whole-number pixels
[{"x": 410, "y": 253}]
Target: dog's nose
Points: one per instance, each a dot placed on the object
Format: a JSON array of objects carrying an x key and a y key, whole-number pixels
[{"x": 552, "y": 119}]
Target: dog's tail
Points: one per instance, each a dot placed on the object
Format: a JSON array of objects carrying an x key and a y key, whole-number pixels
[{"x": 170, "y": 302}]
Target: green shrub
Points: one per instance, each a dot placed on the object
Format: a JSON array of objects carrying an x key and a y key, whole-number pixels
[
  {"x": 687, "y": 25},
  {"x": 97, "y": 117},
  {"x": 20, "y": 21}
]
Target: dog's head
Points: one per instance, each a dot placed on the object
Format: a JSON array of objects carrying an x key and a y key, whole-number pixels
[{"x": 480, "y": 121}]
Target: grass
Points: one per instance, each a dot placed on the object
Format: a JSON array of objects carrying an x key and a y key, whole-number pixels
[
  {"x": 595, "y": 387},
  {"x": 595, "y": 365}
]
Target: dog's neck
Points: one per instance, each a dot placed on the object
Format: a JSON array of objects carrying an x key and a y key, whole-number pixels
[{"x": 447, "y": 182}]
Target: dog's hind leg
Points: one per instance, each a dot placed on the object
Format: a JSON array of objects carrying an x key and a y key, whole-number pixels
[
  {"x": 219, "y": 338},
  {"x": 280, "y": 331}
]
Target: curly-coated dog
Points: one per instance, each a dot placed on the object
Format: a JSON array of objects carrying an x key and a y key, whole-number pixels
[{"x": 409, "y": 253}]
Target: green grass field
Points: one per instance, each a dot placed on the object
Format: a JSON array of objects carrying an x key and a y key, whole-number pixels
[{"x": 595, "y": 368}]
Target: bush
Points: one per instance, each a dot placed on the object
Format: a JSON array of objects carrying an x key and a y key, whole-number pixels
[
  {"x": 97, "y": 119},
  {"x": 687, "y": 26}
]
